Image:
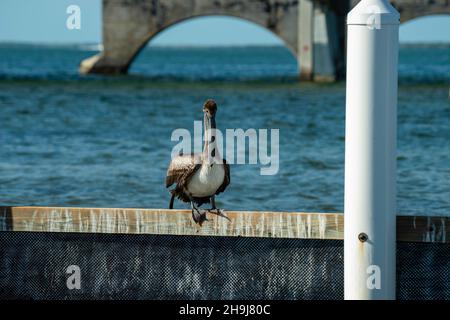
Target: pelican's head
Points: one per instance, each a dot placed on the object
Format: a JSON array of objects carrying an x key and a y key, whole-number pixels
[{"x": 210, "y": 108}]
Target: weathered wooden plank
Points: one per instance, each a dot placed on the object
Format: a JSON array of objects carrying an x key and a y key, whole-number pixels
[
  {"x": 176, "y": 222},
  {"x": 179, "y": 222},
  {"x": 423, "y": 229}
]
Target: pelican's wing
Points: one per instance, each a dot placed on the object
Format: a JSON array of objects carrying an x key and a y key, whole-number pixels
[
  {"x": 181, "y": 168},
  {"x": 226, "y": 179}
]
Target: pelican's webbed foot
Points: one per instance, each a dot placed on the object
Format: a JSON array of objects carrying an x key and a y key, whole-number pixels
[
  {"x": 198, "y": 215},
  {"x": 219, "y": 212},
  {"x": 214, "y": 210}
]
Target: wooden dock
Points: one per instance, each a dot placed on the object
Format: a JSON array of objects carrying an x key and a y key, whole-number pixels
[{"x": 263, "y": 224}]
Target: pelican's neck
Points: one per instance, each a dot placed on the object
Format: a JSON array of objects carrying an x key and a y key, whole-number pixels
[{"x": 210, "y": 150}]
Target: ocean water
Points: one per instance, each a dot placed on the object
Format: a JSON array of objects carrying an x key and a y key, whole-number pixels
[{"x": 93, "y": 141}]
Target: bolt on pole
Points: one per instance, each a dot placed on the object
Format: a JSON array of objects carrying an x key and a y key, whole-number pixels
[{"x": 370, "y": 151}]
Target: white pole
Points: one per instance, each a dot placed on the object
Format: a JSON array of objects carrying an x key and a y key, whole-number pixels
[{"x": 370, "y": 151}]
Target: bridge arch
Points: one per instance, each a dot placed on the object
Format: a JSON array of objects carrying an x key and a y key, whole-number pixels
[
  {"x": 129, "y": 24},
  {"x": 409, "y": 15},
  {"x": 423, "y": 15},
  {"x": 149, "y": 37},
  {"x": 420, "y": 26},
  {"x": 426, "y": 16}
]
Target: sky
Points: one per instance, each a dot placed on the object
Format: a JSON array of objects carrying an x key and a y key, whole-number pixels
[{"x": 44, "y": 21}]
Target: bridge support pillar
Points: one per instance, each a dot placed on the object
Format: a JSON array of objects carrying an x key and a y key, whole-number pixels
[
  {"x": 319, "y": 52},
  {"x": 305, "y": 49},
  {"x": 326, "y": 47},
  {"x": 125, "y": 27}
]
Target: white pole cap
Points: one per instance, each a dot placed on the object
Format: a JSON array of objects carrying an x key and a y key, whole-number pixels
[{"x": 373, "y": 13}]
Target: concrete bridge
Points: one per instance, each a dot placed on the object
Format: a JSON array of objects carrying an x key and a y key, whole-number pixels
[{"x": 314, "y": 30}]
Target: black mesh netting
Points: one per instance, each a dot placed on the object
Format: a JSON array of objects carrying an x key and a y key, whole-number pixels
[{"x": 33, "y": 266}]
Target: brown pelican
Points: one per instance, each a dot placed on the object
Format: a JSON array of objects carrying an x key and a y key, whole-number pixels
[{"x": 199, "y": 177}]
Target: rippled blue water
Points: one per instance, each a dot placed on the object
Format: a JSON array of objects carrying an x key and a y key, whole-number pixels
[{"x": 69, "y": 140}]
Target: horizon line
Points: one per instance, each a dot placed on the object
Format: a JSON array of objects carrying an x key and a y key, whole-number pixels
[{"x": 204, "y": 45}]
